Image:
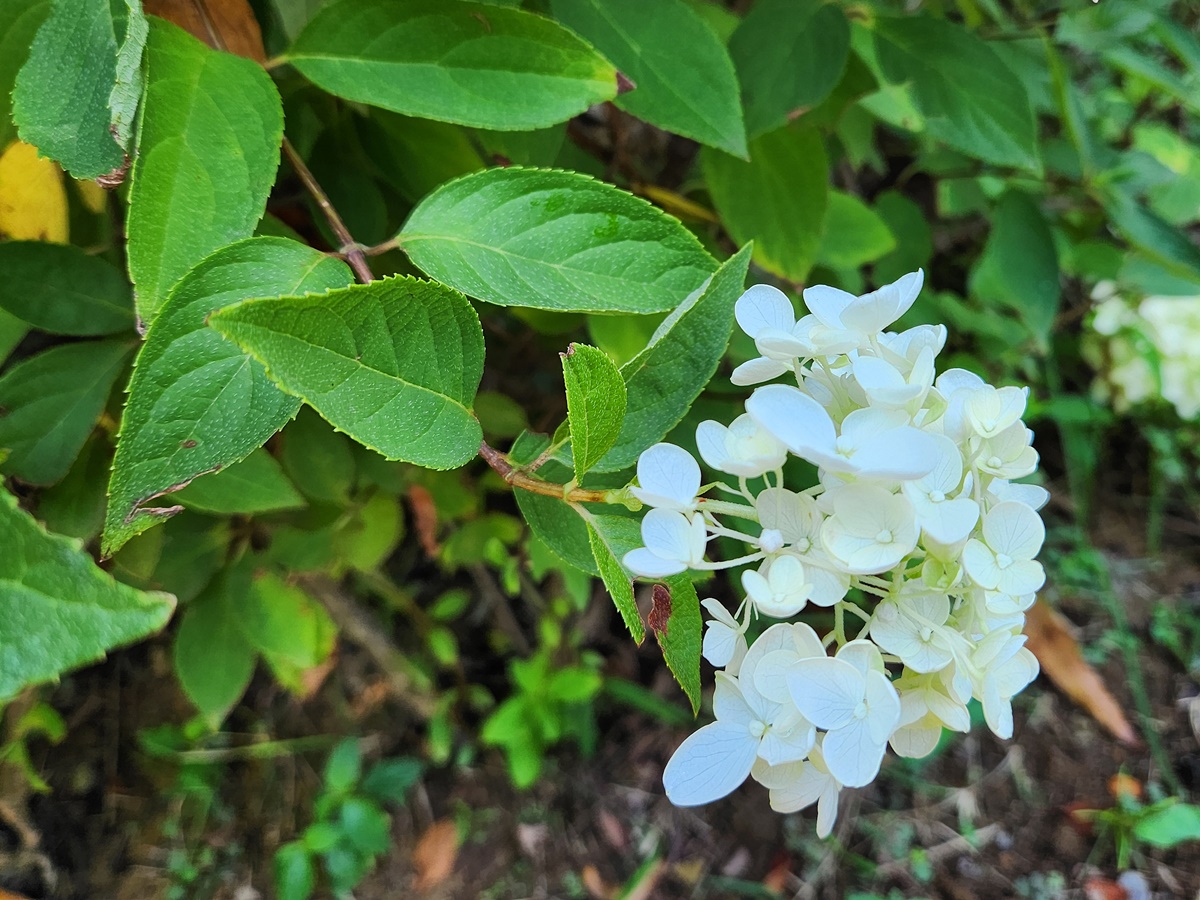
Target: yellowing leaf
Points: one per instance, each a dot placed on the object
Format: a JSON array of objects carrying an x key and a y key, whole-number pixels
[
  {"x": 33, "y": 202},
  {"x": 93, "y": 196}
]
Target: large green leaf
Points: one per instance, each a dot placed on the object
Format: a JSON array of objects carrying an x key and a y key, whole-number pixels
[
  {"x": 49, "y": 404},
  {"x": 60, "y": 289},
  {"x": 454, "y": 61},
  {"x": 1019, "y": 266},
  {"x": 684, "y": 78},
  {"x": 196, "y": 402},
  {"x": 61, "y": 98},
  {"x": 207, "y": 154},
  {"x": 790, "y": 54},
  {"x": 969, "y": 97},
  {"x": 19, "y": 24},
  {"x": 611, "y": 538},
  {"x": 853, "y": 233},
  {"x": 395, "y": 364},
  {"x": 595, "y": 404},
  {"x": 57, "y": 609},
  {"x": 777, "y": 199},
  {"x": 1153, "y": 235},
  {"x": 255, "y": 485},
  {"x": 663, "y": 380},
  {"x": 680, "y": 636},
  {"x": 554, "y": 240}
]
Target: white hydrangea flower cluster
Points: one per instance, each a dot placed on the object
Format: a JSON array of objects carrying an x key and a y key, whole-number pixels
[
  {"x": 1147, "y": 350},
  {"x": 916, "y": 536}
]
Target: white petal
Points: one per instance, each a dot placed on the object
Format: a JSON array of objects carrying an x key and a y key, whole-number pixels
[
  {"x": 802, "y": 788},
  {"x": 710, "y": 764},
  {"x": 668, "y": 477},
  {"x": 763, "y": 307},
  {"x": 729, "y": 704},
  {"x": 795, "y": 516},
  {"x": 917, "y": 741},
  {"x": 1022, "y": 577},
  {"x": 898, "y": 455},
  {"x": 720, "y": 643},
  {"x": 884, "y": 705},
  {"x": 980, "y": 564},
  {"x": 757, "y": 370},
  {"x": 851, "y": 754},
  {"x": 710, "y": 441},
  {"x": 874, "y": 312},
  {"x": 649, "y": 564},
  {"x": 777, "y": 748},
  {"x": 863, "y": 655},
  {"x": 826, "y": 691},
  {"x": 717, "y": 610},
  {"x": 827, "y": 808},
  {"x": 1014, "y": 529},
  {"x": 950, "y": 521},
  {"x": 794, "y": 418},
  {"x": 668, "y": 533},
  {"x": 827, "y": 303}
]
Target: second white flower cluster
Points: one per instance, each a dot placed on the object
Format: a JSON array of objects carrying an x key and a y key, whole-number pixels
[{"x": 916, "y": 536}]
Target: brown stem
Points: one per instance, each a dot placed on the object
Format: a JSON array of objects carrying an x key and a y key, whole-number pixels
[
  {"x": 519, "y": 479},
  {"x": 350, "y": 248}
]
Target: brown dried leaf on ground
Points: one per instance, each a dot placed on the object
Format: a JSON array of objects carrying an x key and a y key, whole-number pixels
[
  {"x": 435, "y": 854},
  {"x": 425, "y": 519},
  {"x": 1051, "y": 642},
  {"x": 224, "y": 24}
]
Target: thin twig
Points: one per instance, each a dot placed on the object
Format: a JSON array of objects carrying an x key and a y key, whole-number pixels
[
  {"x": 506, "y": 620},
  {"x": 350, "y": 248},
  {"x": 518, "y": 479}
]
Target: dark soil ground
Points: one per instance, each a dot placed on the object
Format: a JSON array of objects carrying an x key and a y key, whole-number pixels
[{"x": 118, "y": 824}]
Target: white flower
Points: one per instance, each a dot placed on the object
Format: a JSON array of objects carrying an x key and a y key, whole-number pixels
[
  {"x": 797, "y": 785},
  {"x": 913, "y": 628},
  {"x": 1008, "y": 454},
  {"x": 783, "y": 592},
  {"x": 861, "y": 318},
  {"x": 1004, "y": 560},
  {"x": 1032, "y": 495},
  {"x": 956, "y": 386},
  {"x": 724, "y": 637},
  {"x": 926, "y": 707},
  {"x": 873, "y": 443},
  {"x": 851, "y": 698},
  {"x": 871, "y": 530},
  {"x": 990, "y": 410},
  {"x": 1007, "y": 668},
  {"x": 668, "y": 478},
  {"x": 945, "y": 518},
  {"x": 744, "y": 448},
  {"x": 673, "y": 544},
  {"x": 887, "y": 387}
]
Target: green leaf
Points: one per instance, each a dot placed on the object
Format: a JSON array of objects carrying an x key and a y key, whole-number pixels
[
  {"x": 663, "y": 380},
  {"x": 1170, "y": 826},
  {"x": 129, "y": 81},
  {"x": 453, "y": 61},
  {"x": 684, "y": 80},
  {"x": 969, "y": 97},
  {"x": 196, "y": 402},
  {"x": 777, "y": 199},
  {"x": 12, "y": 332},
  {"x": 554, "y": 240},
  {"x": 207, "y": 154},
  {"x": 553, "y": 521},
  {"x": 366, "y": 826},
  {"x": 418, "y": 155},
  {"x": 914, "y": 238},
  {"x": 611, "y": 537},
  {"x": 1019, "y": 266},
  {"x": 295, "y": 874},
  {"x": 213, "y": 661},
  {"x": 61, "y": 289},
  {"x": 595, "y": 404},
  {"x": 281, "y": 620},
  {"x": 75, "y": 506},
  {"x": 57, "y": 609},
  {"x": 395, "y": 364},
  {"x": 20, "y": 21},
  {"x": 1153, "y": 235},
  {"x": 790, "y": 54},
  {"x": 390, "y": 780},
  {"x": 49, "y": 404},
  {"x": 680, "y": 638},
  {"x": 254, "y": 485},
  {"x": 854, "y": 234},
  {"x": 60, "y": 101},
  {"x": 319, "y": 460},
  {"x": 343, "y": 769}
]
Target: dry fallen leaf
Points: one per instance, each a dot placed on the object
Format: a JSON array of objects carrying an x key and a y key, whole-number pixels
[
  {"x": 33, "y": 201},
  {"x": 1122, "y": 783},
  {"x": 224, "y": 24},
  {"x": 435, "y": 854},
  {"x": 1103, "y": 889},
  {"x": 594, "y": 884},
  {"x": 1051, "y": 642},
  {"x": 425, "y": 519}
]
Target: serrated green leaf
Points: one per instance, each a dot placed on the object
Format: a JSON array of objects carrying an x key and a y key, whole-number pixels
[
  {"x": 554, "y": 240},
  {"x": 790, "y": 54},
  {"x": 684, "y": 80},
  {"x": 611, "y": 537},
  {"x": 61, "y": 98},
  {"x": 61, "y": 289},
  {"x": 595, "y": 404},
  {"x": 213, "y": 661},
  {"x": 196, "y": 402},
  {"x": 19, "y": 24},
  {"x": 250, "y": 487},
  {"x": 208, "y": 149},
  {"x": 680, "y": 638},
  {"x": 132, "y": 32},
  {"x": 777, "y": 199},
  {"x": 1019, "y": 265},
  {"x": 663, "y": 380},
  {"x": 395, "y": 364},
  {"x": 49, "y": 404},
  {"x": 854, "y": 234},
  {"x": 454, "y": 61},
  {"x": 969, "y": 97},
  {"x": 57, "y": 609}
]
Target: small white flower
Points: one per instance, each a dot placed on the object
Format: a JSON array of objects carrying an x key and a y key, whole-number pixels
[
  {"x": 854, "y": 702},
  {"x": 783, "y": 592},
  {"x": 797, "y": 785},
  {"x": 673, "y": 542},
  {"x": 926, "y": 707},
  {"x": 1004, "y": 560},
  {"x": 944, "y": 517},
  {"x": 871, "y": 530},
  {"x": 1008, "y": 454},
  {"x": 744, "y": 448},
  {"x": 887, "y": 387},
  {"x": 913, "y": 628},
  {"x": 861, "y": 318},
  {"x": 724, "y": 637},
  {"x": 1032, "y": 495},
  {"x": 668, "y": 478},
  {"x": 990, "y": 410},
  {"x": 1007, "y": 667},
  {"x": 957, "y": 386}
]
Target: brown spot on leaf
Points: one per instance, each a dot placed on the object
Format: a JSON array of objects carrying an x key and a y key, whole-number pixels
[
  {"x": 188, "y": 444},
  {"x": 660, "y": 610},
  {"x": 625, "y": 84}
]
